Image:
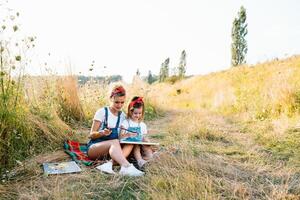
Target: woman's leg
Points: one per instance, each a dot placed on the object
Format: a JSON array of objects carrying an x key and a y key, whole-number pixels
[
  {"x": 126, "y": 149},
  {"x": 112, "y": 147}
]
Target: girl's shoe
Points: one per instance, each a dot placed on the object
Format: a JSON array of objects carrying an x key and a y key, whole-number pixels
[
  {"x": 141, "y": 163},
  {"x": 106, "y": 167},
  {"x": 130, "y": 171}
]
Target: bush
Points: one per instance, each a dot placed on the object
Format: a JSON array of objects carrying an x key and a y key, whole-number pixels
[
  {"x": 152, "y": 111},
  {"x": 16, "y": 133}
]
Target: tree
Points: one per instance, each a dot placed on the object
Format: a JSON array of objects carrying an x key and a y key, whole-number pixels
[
  {"x": 164, "y": 70},
  {"x": 182, "y": 65},
  {"x": 138, "y": 73},
  {"x": 166, "y": 67},
  {"x": 150, "y": 78},
  {"x": 239, "y": 44},
  {"x": 161, "y": 73}
]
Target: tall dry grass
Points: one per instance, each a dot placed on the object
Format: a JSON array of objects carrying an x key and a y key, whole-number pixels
[
  {"x": 227, "y": 135},
  {"x": 70, "y": 109},
  {"x": 265, "y": 90},
  {"x": 40, "y": 121},
  {"x": 260, "y": 97}
]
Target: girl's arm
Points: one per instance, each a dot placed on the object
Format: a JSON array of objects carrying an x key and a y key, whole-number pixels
[
  {"x": 145, "y": 132},
  {"x": 94, "y": 133},
  {"x": 123, "y": 133}
]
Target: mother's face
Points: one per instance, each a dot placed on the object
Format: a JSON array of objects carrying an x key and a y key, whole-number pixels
[{"x": 118, "y": 102}]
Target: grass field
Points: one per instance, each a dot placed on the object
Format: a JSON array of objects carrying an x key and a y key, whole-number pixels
[{"x": 227, "y": 135}]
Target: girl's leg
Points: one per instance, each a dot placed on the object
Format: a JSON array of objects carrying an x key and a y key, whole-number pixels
[
  {"x": 138, "y": 156},
  {"x": 137, "y": 152},
  {"x": 148, "y": 153},
  {"x": 112, "y": 147},
  {"x": 147, "y": 150}
]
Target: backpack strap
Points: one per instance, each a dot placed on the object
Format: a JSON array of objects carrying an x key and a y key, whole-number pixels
[
  {"x": 119, "y": 117},
  {"x": 106, "y": 118}
]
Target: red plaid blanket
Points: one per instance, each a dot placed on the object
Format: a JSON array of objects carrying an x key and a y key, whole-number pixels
[{"x": 78, "y": 152}]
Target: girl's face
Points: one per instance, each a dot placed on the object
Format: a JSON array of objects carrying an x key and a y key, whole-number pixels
[
  {"x": 118, "y": 102},
  {"x": 136, "y": 114}
]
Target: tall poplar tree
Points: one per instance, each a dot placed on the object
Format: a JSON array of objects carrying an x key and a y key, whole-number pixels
[
  {"x": 164, "y": 70},
  {"x": 182, "y": 65},
  {"x": 239, "y": 46}
]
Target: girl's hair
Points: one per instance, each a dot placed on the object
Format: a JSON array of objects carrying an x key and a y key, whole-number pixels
[
  {"x": 117, "y": 90},
  {"x": 136, "y": 102}
]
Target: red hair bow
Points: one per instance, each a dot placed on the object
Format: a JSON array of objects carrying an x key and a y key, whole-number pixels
[
  {"x": 117, "y": 91},
  {"x": 138, "y": 100}
]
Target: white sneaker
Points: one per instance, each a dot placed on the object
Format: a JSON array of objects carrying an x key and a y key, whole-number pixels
[
  {"x": 130, "y": 171},
  {"x": 141, "y": 163},
  {"x": 106, "y": 167}
]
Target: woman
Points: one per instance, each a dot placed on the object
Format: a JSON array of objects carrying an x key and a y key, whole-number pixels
[{"x": 105, "y": 132}]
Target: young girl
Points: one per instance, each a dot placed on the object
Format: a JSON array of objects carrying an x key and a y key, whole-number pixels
[
  {"x": 134, "y": 123},
  {"x": 104, "y": 135}
]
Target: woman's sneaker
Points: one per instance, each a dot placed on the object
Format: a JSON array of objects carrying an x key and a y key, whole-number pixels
[
  {"x": 130, "y": 171},
  {"x": 106, "y": 167}
]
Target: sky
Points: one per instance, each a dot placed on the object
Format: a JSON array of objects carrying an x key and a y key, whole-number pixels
[{"x": 138, "y": 34}]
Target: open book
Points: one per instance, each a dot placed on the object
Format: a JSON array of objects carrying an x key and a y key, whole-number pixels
[
  {"x": 61, "y": 168},
  {"x": 135, "y": 140},
  {"x": 123, "y": 141}
]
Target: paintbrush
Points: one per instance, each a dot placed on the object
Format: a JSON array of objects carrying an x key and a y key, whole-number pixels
[{"x": 128, "y": 130}]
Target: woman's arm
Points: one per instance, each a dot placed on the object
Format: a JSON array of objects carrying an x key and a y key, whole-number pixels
[
  {"x": 122, "y": 134},
  {"x": 94, "y": 133}
]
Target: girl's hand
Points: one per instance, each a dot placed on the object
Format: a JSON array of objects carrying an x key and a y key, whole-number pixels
[
  {"x": 132, "y": 134},
  {"x": 145, "y": 139}
]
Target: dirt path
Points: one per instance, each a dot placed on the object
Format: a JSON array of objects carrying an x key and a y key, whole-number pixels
[{"x": 232, "y": 157}]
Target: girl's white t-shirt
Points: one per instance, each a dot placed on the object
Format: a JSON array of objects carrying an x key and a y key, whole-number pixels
[
  {"x": 129, "y": 123},
  {"x": 111, "y": 118}
]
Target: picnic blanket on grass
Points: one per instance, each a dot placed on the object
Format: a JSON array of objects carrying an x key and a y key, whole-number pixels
[{"x": 78, "y": 152}]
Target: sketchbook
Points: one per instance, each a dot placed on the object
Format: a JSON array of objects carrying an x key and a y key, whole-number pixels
[
  {"x": 138, "y": 142},
  {"x": 61, "y": 168}
]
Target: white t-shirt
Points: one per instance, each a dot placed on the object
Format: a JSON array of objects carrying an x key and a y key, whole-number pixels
[
  {"x": 129, "y": 123},
  {"x": 111, "y": 118}
]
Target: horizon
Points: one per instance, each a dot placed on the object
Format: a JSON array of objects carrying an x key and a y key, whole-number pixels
[{"x": 126, "y": 36}]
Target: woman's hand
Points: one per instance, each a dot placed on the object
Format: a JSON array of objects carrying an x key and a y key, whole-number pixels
[
  {"x": 101, "y": 133},
  {"x": 106, "y": 132}
]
